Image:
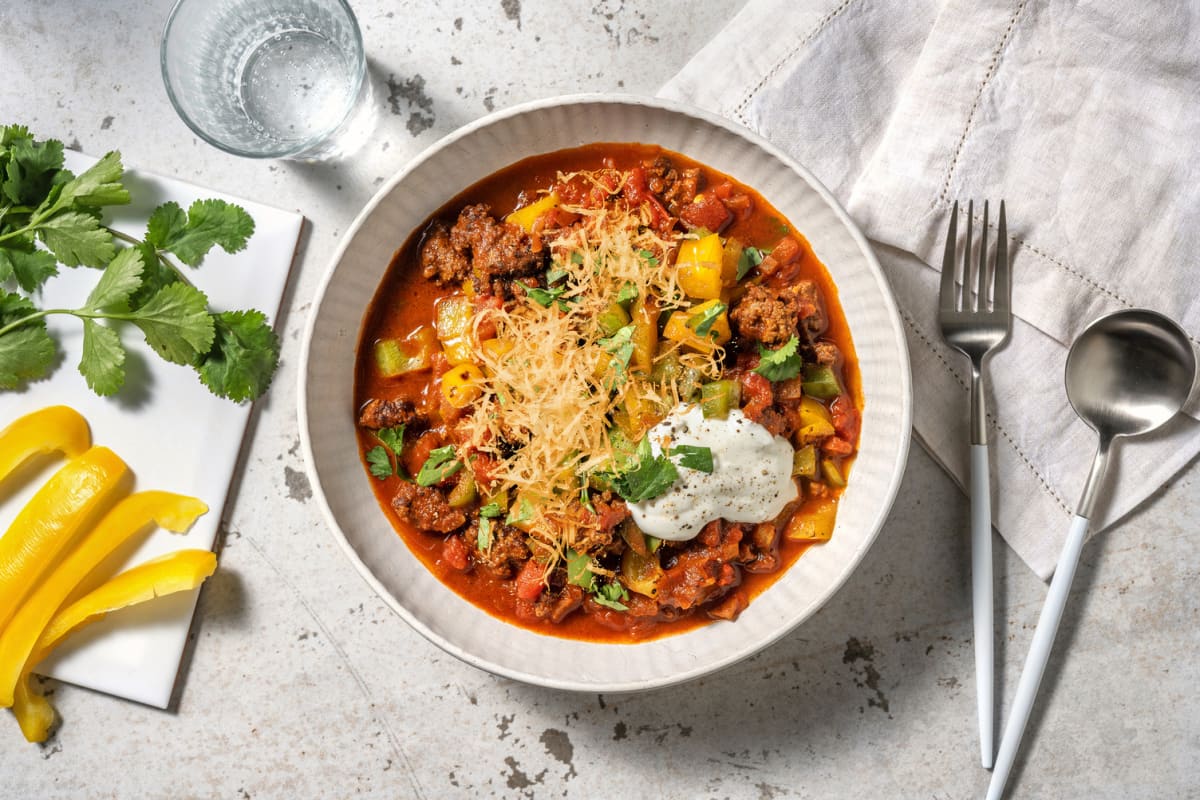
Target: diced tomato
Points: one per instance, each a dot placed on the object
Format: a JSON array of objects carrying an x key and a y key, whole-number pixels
[
  {"x": 837, "y": 446},
  {"x": 758, "y": 389},
  {"x": 638, "y": 194},
  {"x": 454, "y": 553},
  {"x": 486, "y": 327},
  {"x": 709, "y": 213},
  {"x": 786, "y": 251},
  {"x": 531, "y": 580},
  {"x": 483, "y": 465},
  {"x": 723, "y": 190},
  {"x": 417, "y": 453},
  {"x": 846, "y": 419}
]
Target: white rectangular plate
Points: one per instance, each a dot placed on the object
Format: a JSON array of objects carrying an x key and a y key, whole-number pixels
[{"x": 169, "y": 429}]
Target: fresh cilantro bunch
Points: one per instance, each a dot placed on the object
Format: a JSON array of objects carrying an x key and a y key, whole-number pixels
[{"x": 234, "y": 353}]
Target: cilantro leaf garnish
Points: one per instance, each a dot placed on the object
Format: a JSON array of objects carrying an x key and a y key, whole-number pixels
[
  {"x": 579, "y": 570},
  {"x": 620, "y": 345},
  {"x": 750, "y": 258},
  {"x": 782, "y": 363},
  {"x": 483, "y": 539},
  {"x": 207, "y": 223},
  {"x": 544, "y": 297},
  {"x": 29, "y": 269},
  {"x": 26, "y": 352},
  {"x": 440, "y": 465},
  {"x": 176, "y": 323},
  {"x": 521, "y": 513},
  {"x": 627, "y": 293},
  {"x": 650, "y": 477},
  {"x": 702, "y": 322},
  {"x": 392, "y": 438},
  {"x": 649, "y": 257},
  {"x": 577, "y": 258},
  {"x": 491, "y": 510},
  {"x": 694, "y": 457},
  {"x": 243, "y": 356},
  {"x": 611, "y": 595},
  {"x": 554, "y": 275},
  {"x": 379, "y": 462},
  {"x": 103, "y": 361}
]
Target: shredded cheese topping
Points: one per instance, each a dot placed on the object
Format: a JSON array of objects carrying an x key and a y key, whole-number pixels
[{"x": 550, "y": 392}]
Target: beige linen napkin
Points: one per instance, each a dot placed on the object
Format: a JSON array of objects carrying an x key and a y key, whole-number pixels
[{"x": 1084, "y": 118}]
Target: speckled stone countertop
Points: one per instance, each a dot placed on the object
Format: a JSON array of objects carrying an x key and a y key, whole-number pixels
[{"x": 302, "y": 683}]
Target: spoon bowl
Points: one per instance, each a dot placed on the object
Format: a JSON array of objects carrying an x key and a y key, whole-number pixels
[{"x": 1129, "y": 372}]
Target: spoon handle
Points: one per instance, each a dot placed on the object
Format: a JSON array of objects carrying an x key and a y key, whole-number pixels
[{"x": 1039, "y": 654}]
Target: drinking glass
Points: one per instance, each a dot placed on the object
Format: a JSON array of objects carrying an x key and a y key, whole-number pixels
[{"x": 268, "y": 78}]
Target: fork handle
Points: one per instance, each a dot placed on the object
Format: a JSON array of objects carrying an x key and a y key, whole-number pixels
[{"x": 981, "y": 597}]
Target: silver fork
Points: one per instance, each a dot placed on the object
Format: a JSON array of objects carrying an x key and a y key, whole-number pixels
[{"x": 976, "y": 318}]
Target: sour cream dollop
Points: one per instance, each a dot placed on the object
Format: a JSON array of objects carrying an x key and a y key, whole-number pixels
[{"x": 751, "y": 479}]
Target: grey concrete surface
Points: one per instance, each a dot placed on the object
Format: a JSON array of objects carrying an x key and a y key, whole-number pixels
[{"x": 301, "y": 683}]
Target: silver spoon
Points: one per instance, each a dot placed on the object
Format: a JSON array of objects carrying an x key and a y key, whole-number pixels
[{"x": 1127, "y": 373}]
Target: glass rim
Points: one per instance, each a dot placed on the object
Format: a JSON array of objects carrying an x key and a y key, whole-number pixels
[{"x": 308, "y": 144}]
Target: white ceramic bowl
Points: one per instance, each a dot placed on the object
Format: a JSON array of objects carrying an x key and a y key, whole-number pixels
[{"x": 327, "y": 419}]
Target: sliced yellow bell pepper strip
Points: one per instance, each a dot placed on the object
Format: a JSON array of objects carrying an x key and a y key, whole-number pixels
[
  {"x": 171, "y": 511},
  {"x": 52, "y": 519},
  {"x": 55, "y": 428},
  {"x": 174, "y": 572},
  {"x": 34, "y": 713}
]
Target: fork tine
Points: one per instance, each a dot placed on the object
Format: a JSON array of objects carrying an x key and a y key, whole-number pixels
[
  {"x": 984, "y": 279},
  {"x": 967, "y": 274},
  {"x": 1002, "y": 293},
  {"x": 946, "y": 294}
]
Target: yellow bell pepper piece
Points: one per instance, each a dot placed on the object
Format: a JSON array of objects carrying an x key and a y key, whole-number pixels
[
  {"x": 677, "y": 329},
  {"x": 699, "y": 266},
  {"x": 812, "y": 524},
  {"x": 460, "y": 385},
  {"x": 458, "y": 350},
  {"x": 453, "y": 317},
  {"x": 171, "y": 511},
  {"x": 52, "y": 519},
  {"x": 56, "y": 428},
  {"x": 34, "y": 713},
  {"x": 815, "y": 422},
  {"x": 525, "y": 217},
  {"x": 174, "y": 572},
  {"x": 644, "y": 338}
]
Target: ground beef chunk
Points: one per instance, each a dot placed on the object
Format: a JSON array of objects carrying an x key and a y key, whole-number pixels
[
  {"x": 500, "y": 252},
  {"x": 812, "y": 307},
  {"x": 556, "y": 605},
  {"x": 507, "y": 550},
  {"x": 766, "y": 315},
  {"x": 378, "y": 414},
  {"x": 826, "y": 353},
  {"x": 676, "y": 188},
  {"x": 425, "y": 508},
  {"x": 441, "y": 261}
]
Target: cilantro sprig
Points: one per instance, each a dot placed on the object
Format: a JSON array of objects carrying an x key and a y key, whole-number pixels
[
  {"x": 579, "y": 573},
  {"x": 647, "y": 477},
  {"x": 694, "y": 457},
  {"x": 750, "y": 258},
  {"x": 702, "y": 322},
  {"x": 383, "y": 460},
  {"x": 441, "y": 464},
  {"x": 781, "y": 363},
  {"x": 50, "y": 217}
]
